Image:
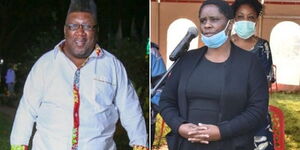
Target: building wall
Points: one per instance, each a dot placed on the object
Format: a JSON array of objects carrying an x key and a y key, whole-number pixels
[
  {"x": 278, "y": 12},
  {"x": 167, "y": 11}
]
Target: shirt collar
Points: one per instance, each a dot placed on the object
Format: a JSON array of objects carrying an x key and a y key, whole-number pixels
[{"x": 97, "y": 52}]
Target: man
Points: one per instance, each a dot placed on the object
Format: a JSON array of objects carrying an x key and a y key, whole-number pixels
[
  {"x": 76, "y": 93},
  {"x": 10, "y": 79}
]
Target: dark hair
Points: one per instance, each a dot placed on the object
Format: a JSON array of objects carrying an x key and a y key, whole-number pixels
[
  {"x": 223, "y": 6},
  {"x": 255, "y": 4},
  {"x": 83, "y": 6},
  {"x": 154, "y": 45}
]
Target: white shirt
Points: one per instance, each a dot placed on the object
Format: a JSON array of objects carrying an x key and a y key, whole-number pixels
[{"x": 105, "y": 95}]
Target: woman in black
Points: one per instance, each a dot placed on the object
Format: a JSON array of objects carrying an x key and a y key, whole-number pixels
[
  {"x": 246, "y": 14},
  {"x": 217, "y": 95}
]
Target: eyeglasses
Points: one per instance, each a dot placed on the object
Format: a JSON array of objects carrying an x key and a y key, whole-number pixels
[{"x": 85, "y": 27}]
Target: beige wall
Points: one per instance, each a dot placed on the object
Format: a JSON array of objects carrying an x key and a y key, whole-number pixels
[
  {"x": 275, "y": 13},
  {"x": 167, "y": 13},
  {"x": 154, "y": 23}
]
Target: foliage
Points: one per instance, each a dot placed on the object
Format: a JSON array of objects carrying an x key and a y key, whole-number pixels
[
  {"x": 5, "y": 128},
  {"x": 22, "y": 21},
  {"x": 290, "y": 105}
]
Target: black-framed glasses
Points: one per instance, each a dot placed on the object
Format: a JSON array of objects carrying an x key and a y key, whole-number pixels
[{"x": 85, "y": 27}]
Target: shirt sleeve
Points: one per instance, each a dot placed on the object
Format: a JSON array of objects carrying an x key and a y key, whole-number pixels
[
  {"x": 19, "y": 147},
  {"x": 128, "y": 105},
  {"x": 27, "y": 110}
]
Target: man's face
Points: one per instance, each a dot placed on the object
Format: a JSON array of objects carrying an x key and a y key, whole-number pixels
[{"x": 80, "y": 35}]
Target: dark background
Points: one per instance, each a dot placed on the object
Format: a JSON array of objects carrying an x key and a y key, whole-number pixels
[{"x": 29, "y": 28}]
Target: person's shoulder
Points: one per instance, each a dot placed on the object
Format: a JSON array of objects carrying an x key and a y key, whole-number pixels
[
  {"x": 196, "y": 52},
  {"x": 43, "y": 63},
  {"x": 262, "y": 40},
  {"x": 46, "y": 59},
  {"x": 265, "y": 43},
  {"x": 52, "y": 54},
  {"x": 107, "y": 55},
  {"x": 241, "y": 53},
  {"x": 48, "y": 56},
  {"x": 191, "y": 56}
]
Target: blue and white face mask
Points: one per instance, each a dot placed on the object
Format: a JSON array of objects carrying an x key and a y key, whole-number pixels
[
  {"x": 244, "y": 29},
  {"x": 216, "y": 40}
]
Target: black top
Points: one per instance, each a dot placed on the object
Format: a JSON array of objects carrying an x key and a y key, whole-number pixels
[
  {"x": 204, "y": 90},
  {"x": 243, "y": 100}
]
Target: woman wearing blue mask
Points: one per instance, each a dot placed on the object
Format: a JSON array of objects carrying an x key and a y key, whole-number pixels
[
  {"x": 246, "y": 13},
  {"x": 217, "y": 95}
]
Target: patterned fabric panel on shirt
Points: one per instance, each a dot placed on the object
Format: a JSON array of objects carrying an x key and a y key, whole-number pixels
[
  {"x": 76, "y": 123},
  {"x": 19, "y": 147},
  {"x": 138, "y": 147},
  {"x": 76, "y": 110}
]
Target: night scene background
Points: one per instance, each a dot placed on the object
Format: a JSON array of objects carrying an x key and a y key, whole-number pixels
[{"x": 29, "y": 28}]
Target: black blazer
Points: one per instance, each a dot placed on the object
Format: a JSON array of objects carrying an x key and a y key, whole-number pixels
[{"x": 243, "y": 103}]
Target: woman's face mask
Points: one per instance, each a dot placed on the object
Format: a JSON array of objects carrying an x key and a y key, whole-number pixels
[
  {"x": 216, "y": 40},
  {"x": 244, "y": 29}
]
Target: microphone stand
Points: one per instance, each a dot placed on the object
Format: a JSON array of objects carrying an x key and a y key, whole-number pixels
[{"x": 164, "y": 77}]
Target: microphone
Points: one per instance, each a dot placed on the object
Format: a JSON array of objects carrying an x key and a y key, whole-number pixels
[{"x": 184, "y": 44}]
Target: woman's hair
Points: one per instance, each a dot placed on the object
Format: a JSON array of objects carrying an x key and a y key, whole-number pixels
[
  {"x": 255, "y": 4},
  {"x": 223, "y": 6}
]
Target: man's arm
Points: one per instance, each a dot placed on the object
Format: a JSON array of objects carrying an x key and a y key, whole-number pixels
[
  {"x": 131, "y": 114},
  {"x": 27, "y": 110}
]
